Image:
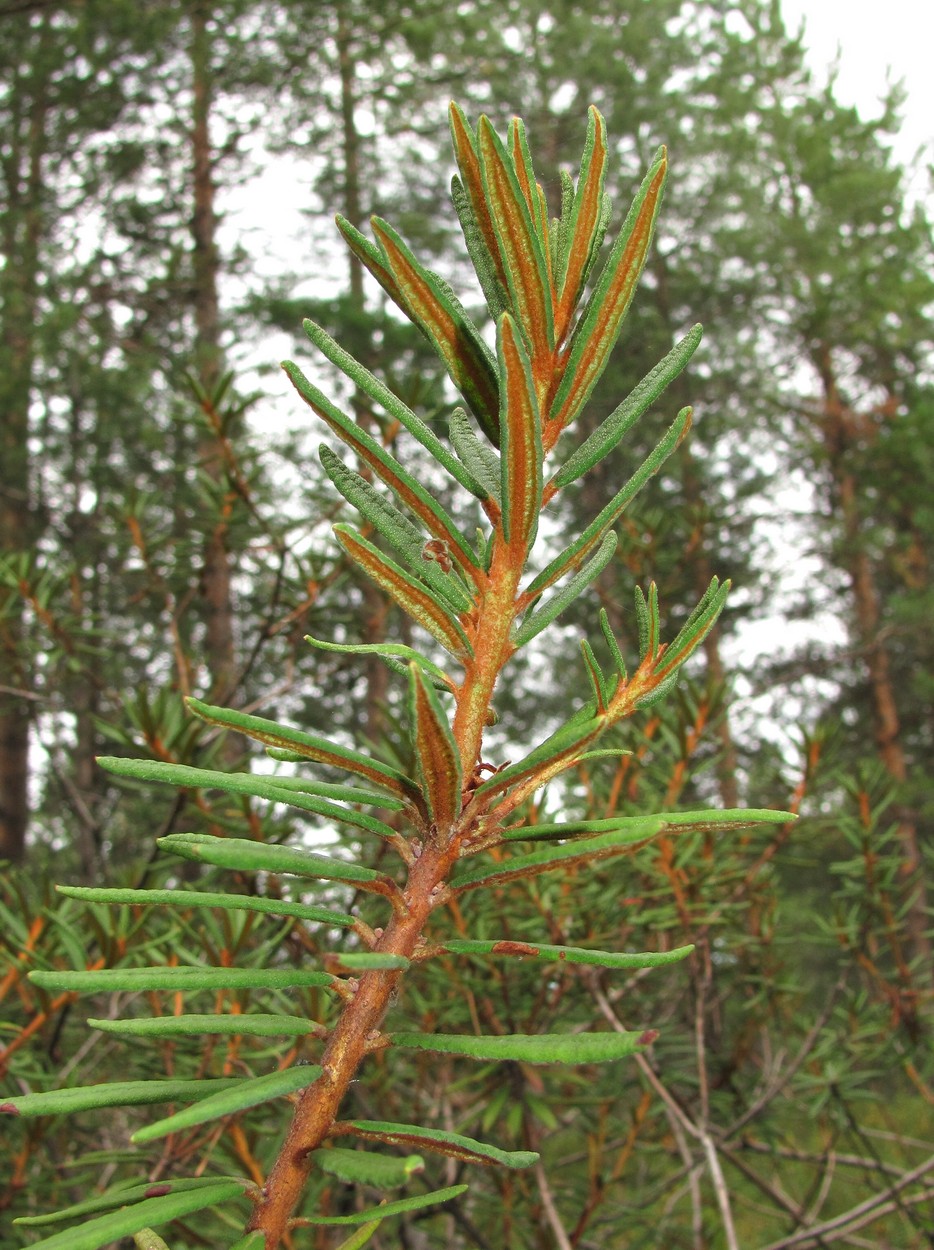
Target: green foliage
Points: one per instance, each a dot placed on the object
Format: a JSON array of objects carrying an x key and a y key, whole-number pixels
[
  {"x": 791, "y": 1081},
  {"x": 131, "y": 1219},
  {"x": 416, "y": 1203},
  {"x": 470, "y": 600},
  {"x": 543, "y": 1048}
]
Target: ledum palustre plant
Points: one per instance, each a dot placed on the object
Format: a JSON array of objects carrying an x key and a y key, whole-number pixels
[{"x": 478, "y": 599}]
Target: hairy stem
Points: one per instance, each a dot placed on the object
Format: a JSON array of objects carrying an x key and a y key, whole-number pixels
[
  {"x": 492, "y": 649},
  {"x": 352, "y": 1039},
  {"x": 356, "y": 1030}
]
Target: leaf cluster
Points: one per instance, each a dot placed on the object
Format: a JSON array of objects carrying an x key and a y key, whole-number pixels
[{"x": 558, "y": 316}]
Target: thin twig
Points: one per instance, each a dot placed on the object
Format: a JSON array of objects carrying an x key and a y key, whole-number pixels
[
  {"x": 775, "y": 1088},
  {"x": 812, "y": 1156},
  {"x": 864, "y": 1212},
  {"x": 772, "y": 1191},
  {"x": 692, "y": 1172},
  {"x": 720, "y": 1190},
  {"x": 699, "y": 1133},
  {"x": 17, "y": 691},
  {"x": 830, "y": 1168},
  {"x": 551, "y": 1211}
]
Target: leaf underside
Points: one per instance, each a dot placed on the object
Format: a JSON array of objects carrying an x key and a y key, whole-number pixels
[
  {"x": 441, "y": 1142},
  {"x": 529, "y": 1048}
]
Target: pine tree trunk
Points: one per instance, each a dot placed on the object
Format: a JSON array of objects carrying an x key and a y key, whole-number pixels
[
  {"x": 19, "y": 512},
  {"x": 85, "y": 779},
  {"x": 839, "y": 432},
  {"x": 215, "y": 589},
  {"x": 374, "y": 604},
  {"x": 15, "y": 669},
  {"x": 81, "y": 689}
]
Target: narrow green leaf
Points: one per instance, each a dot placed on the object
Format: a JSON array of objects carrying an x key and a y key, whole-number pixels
[
  {"x": 123, "y": 1196},
  {"x": 713, "y": 591},
  {"x": 697, "y": 627},
  {"x": 659, "y": 691},
  {"x": 517, "y": 145},
  {"x": 563, "y": 745},
  {"x": 616, "y": 655},
  {"x": 245, "y": 783},
  {"x": 357, "y": 1240},
  {"x": 606, "y": 213},
  {"x": 388, "y": 469},
  {"x": 431, "y": 304},
  {"x": 245, "y": 855},
  {"x": 146, "y": 1239},
  {"x": 329, "y": 790},
  {"x": 363, "y": 1167},
  {"x": 566, "y": 954},
  {"x": 539, "y": 620},
  {"x": 485, "y": 545},
  {"x": 598, "y": 682},
  {"x": 706, "y": 821},
  {"x": 401, "y": 412},
  {"x": 417, "y": 1203},
  {"x": 112, "y": 1094},
  {"x": 621, "y": 841},
  {"x": 603, "y": 753},
  {"x": 414, "y": 599},
  {"x": 530, "y": 1048},
  {"x": 559, "y": 232},
  {"x": 535, "y": 198},
  {"x": 522, "y": 258},
  {"x": 580, "y": 226},
  {"x": 109, "y": 980},
  {"x": 655, "y": 627},
  {"x": 309, "y": 746},
  {"x": 195, "y": 898},
  {"x": 251, "y": 1241},
  {"x": 384, "y": 516},
  {"x": 151, "y": 1212},
  {"x": 495, "y": 294},
  {"x": 388, "y": 651},
  {"x": 250, "y": 1092},
  {"x": 521, "y": 433},
  {"x": 456, "y": 1146},
  {"x": 598, "y": 329},
  {"x": 621, "y": 420},
  {"x": 239, "y": 1025},
  {"x": 373, "y": 259},
  {"x": 572, "y": 555},
  {"x": 647, "y": 620},
  {"x": 468, "y": 162},
  {"x": 364, "y": 961},
  {"x": 285, "y": 756},
  {"x": 481, "y": 460},
  {"x": 542, "y": 225},
  {"x": 437, "y": 757}
]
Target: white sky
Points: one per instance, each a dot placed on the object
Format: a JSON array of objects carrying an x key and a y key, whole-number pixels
[{"x": 876, "y": 43}]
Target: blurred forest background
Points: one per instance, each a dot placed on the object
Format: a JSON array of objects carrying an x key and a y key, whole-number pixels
[{"x": 165, "y": 530}]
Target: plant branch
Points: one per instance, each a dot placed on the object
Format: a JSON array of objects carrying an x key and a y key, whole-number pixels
[{"x": 864, "y": 1212}]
